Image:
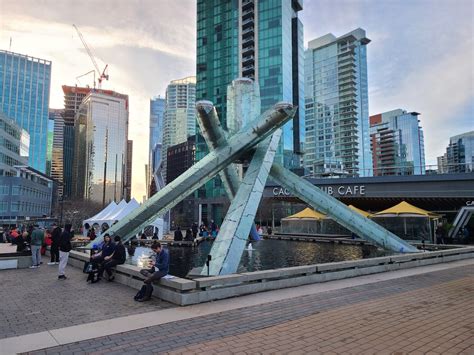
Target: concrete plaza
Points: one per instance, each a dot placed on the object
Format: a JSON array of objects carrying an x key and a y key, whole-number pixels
[{"x": 425, "y": 310}]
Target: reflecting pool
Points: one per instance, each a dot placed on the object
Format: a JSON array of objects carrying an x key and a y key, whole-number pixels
[{"x": 265, "y": 255}]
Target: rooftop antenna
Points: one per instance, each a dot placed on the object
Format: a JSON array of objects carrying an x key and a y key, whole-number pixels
[{"x": 10, "y": 48}]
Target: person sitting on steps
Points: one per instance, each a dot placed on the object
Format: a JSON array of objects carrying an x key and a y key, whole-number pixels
[
  {"x": 159, "y": 268},
  {"x": 116, "y": 258}
]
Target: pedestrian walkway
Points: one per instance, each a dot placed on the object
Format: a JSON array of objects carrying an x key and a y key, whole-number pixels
[
  {"x": 423, "y": 310},
  {"x": 34, "y": 300}
]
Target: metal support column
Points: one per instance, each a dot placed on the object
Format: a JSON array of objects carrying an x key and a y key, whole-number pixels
[
  {"x": 202, "y": 171},
  {"x": 315, "y": 197},
  {"x": 229, "y": 245},
  {"x": 215, "y": 137}
]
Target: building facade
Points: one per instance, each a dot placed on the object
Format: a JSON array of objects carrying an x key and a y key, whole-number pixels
[
  {"x": 258, "y": 40},
  {"x": 101, "y": 135},
  {"x": 459, "y": 155},
  {"x": 24, "y": 191},
  {"x": 24, "y": 97},
  {"x": 336, "y": 106},
  {"x": 14, "y": 146},
  {"x": 73, "y": 97},
  {"x": 25, "y": 195},
  {"x": 154, "y": 171},
  {"x": 180, "y": 114},
  {"x": 57, "y": 158},
  {"x": 128, "y": 171},
  {"x": 397, "y": 143},
  {"x": 180, "y": 158}
]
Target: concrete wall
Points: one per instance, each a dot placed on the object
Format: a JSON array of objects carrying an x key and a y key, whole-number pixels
[{"x": 185, "y": 292}]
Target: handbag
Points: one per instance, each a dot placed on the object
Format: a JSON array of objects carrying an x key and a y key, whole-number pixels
[{"x": 87, "y": 267}]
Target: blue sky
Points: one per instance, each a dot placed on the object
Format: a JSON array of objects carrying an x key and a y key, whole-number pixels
[{"x": 420, "y": 58}]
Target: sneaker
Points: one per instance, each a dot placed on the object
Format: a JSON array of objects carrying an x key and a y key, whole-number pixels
[
  {"x": 33, "y": 267},
  {"x": 52, "y": 263},
  {"x": 62, "y": 277},
  {"x": 57, "y": 262}
]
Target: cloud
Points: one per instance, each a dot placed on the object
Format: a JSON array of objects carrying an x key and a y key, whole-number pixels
[
  {"x": 142, "y": 41},
  {"x": 420, "y": 58}
]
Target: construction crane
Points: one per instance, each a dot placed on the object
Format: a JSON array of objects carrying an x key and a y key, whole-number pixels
[{"x": 102, "y": 75}]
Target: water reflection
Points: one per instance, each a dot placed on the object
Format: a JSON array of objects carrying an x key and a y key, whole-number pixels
[{"x": 265, "y": 255}]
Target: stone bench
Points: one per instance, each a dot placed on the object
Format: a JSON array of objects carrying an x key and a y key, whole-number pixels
[{"x": 204, "y": 289}]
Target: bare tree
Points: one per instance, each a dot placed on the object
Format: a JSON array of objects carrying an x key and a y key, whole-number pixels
[{"x": 74, "y": 211}]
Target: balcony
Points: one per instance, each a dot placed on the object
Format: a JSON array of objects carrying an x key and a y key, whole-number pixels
[{"x": 248, "y": 41}]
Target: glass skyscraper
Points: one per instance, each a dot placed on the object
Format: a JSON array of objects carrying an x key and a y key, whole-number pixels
[
  {"x": 255, "y": 39},
  {"x": 157, "y": 111},
  {"x": 397, "y": 141},
  {"x": 336, "y": 106},
  {"x": 73, "y": 96},
  {"x": 180, "y": 114},
  {"x": 24, "y": 97},
  {"x": 459, "y": 157},
  {"x": 101, "y": 134}
]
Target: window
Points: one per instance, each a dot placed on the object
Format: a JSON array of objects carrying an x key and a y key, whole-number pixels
[{"x": 4, "y": 189}]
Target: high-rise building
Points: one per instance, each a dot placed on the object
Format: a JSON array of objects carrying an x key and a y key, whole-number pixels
[
  {"x": 14, "y": 146},
  {"x": 180, "y": 118},
  {"x": 24, "y": 97},
  {"x": 24, "y": 191},
  {"x": 397, "y": 143},
  {"x": 128, "y": 172},
  {"x": 101, "y": 135},
  {"x": 180, "y": 158},
  {"x": 336, "y": 105},
  {"x": 73, "y": 97},
  {"x": 54, "y": 116},
  {"x": 57, "y": 158},
  {"x": 459, "y": 156},
  {"x": 259, "y": 40},
  {"x": 443, "y": 164},
  {"x": 154, "y": 172}
]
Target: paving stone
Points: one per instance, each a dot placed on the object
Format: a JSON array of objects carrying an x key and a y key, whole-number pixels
[
  {"x": 407, "y": 315},
  {"x": 35, "y": 300}
]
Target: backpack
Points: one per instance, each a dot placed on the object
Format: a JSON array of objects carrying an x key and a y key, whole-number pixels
[
  {"x": 140, "y": 294},
  {"x": 93, "y": 276}
]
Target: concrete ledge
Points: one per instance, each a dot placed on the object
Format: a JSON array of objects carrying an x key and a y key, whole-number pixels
[{"x": 186, "y": 292}]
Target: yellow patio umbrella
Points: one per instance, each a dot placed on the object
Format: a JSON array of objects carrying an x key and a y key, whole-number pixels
[
  {"x": 362, "y": 212},
  {"x": 307, "y": 213},
  {"x": 404, "y": 209}
]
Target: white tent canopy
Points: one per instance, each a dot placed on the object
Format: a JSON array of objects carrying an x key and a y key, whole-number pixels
[
  {"x": 112, "y": 206},
  {"x": 112, "y": 213},
  {"x": 115, "y": 212}
]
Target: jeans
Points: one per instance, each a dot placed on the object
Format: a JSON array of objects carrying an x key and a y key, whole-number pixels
[
  {"x": 107, "y": 266},
  {"x": 150, "y": 278},
  {"x": 63, "y": 256},
  {"x": 36, "y": 254},
  {"x": 54, "y": 253}
]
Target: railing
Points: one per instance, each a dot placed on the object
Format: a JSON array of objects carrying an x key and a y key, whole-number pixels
[{"x": 394, "y": 170}]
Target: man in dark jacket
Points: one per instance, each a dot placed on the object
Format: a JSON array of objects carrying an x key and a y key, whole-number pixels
[
  {"x": 55, "y": 237},
  {"x": 117, "y": 258},
  {"x": 159, "y": 268},
  {"x": 178, "y": 235},
  {"x": 64, "y": 249}
]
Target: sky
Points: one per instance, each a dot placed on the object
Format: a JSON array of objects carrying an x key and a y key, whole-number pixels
[{"x": 421, "y": 55}]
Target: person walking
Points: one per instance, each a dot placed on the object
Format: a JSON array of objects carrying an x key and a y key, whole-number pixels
[
  {"x": 37, "y": 240},
  {"x": 55, "y": 237},
  {"x": 64, "y": 249}
]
